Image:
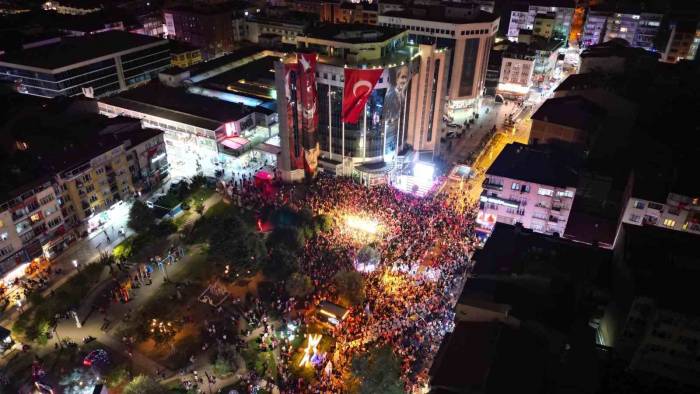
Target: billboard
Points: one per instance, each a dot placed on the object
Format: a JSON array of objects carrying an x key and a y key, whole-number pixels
[
  {"x": 296, "y": 156},
  {"x": 308, "y": 99}
]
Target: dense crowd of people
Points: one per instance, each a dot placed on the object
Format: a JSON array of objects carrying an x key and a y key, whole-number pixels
[{"x": 423, "y": 243}]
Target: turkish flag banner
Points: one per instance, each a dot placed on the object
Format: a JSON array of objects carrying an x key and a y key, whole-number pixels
[{"x": 358, "y": 88}]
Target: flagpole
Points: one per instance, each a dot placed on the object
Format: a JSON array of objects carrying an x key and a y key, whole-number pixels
[{"x": 330, "y": 123}]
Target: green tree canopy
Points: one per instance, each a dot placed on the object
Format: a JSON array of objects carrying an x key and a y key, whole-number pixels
[
  {"x": 143, "y": 384},
  {"x": 236, "y": 242},
  {"x": 281, "y": 263},
  {"x": 299, "y": 285},
  {"x": 378, "y": 371},
  {"x": 351, "y": 286},
  {"x": 141, "y": 217}
]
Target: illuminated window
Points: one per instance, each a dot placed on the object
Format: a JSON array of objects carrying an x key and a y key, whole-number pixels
[
  {"x": 623, "y": 29},
  {"x": 545, "y": 192},
  {"x": 639, "y": 204},
  {"x": 515, "y": 186},
  {"x": 3, "y": 236},
  {"x": 669, "y": 223},
  {"x": 35, "y": 217}
]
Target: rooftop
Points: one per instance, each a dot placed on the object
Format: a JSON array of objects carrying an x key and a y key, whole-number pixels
[
  {"x": 213, "y": 64},
  {"x": 543, "y": 164},
  {"x": 72, "y": 50},
  {"x": 663, "y": 265},
  {"x": 352, "y": 33},
  {"x": 571, "y": 111},
  {"x": 444, "y": 14},
  {"x": 178, "y": 105},
  {"x": 617, "y": 47},
  {"x": 465, "y": 356},
  {"x": 513, "y": 250},
  {"x": 256, "y": 78}
]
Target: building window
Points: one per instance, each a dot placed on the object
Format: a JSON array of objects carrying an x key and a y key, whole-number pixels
[
  {"x": 545, "y": 192},
  {"x": 656, "y": 206},
  {"x": 635, "y": 218},
  {"x": 3, "y": 236},
  {"x": 639, "y": 204},
  {"x": 669, "y": 223},
  {"x": 515, "y": 186},
  {"x": 565, "y": 193}
]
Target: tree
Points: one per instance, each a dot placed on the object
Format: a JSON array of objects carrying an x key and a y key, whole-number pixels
[
  {"x": 351, "y": 286},
  {"x": 286, "y": 237},
  {"x": 140, "y": 217},
  {"x": 144, "y": 385},
  {"x": 222, "y": 366},
  {"x": 378, "y": 371},
  {"x": 76, "y": 381},
  {"x": 281, "y": 263},
  {"x": 236, "y": 242},
  {"x": 299, "y": 285},
  {"x": 325, "y": 222}
]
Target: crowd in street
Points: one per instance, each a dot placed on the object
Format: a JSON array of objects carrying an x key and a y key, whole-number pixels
[{"x": 424, "y": 246}]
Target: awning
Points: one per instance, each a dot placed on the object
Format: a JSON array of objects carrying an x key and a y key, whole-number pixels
[{"x": 235, "y": 143}]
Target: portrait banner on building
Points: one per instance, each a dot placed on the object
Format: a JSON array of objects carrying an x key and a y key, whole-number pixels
[
  {"x": 357, "y": 90},
  {"x": 308, "y": 99},
  {"x": 296, "y": 153}
]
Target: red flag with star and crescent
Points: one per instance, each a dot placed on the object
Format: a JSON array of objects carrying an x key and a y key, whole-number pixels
[{"x": 358, "y": 88}]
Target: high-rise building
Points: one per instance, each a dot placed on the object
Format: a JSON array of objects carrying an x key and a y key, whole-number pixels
[
  {"x": 209, "y": 28},
  {"x": 401, "y": 116},
  {"x": 523, "y": 17},
  {"x": 683, "y": 41},
  {"x": 639, "y": 29},
  {"x": 95, "y": 65},
  {"x": 467, "y": 34}
]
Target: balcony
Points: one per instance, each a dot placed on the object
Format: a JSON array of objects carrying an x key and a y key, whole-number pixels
[
  {"x": 553, "y": 219},
  {"x": 492, "y": 186}
]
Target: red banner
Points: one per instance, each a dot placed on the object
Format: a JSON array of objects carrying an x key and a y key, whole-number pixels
[
  {"x": 358, "y": 87},
  {"x": 291, "y": 78},
  {"x": 308, "y": 99}
]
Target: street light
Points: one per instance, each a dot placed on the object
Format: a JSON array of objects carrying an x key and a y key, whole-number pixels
[{"x": 75, "y": 264}]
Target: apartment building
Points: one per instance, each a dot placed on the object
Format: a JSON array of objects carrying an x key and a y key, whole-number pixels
[
  {"x": 544, "y": 25},
  {"x": 350, "y": 12},
  {"x": 657, "y": 332},
  {"x": 531, "y": 185},
  {"x": 683, "y": 41},
  {"x": 524, "y": 16},
  {"x": 517, "y": 68},
  {"x": 209, "y": 28},
  {"x": 638, "y": 28},
  {"x": 31, "y": 225}
]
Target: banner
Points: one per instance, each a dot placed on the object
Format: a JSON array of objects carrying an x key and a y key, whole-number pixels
[
  {"x": 308, "y": 99},
  {"x": 296, "y": 156},
  {"x": 358, "y": 87}
]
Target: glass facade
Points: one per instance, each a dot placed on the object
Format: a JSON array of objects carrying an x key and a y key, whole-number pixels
[
  {"x": 471, "y": 51},
  {"x": 101, "y": 76},
  {"x": 384, "y": 118}
]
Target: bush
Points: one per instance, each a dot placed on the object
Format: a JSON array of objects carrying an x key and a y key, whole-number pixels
[
  {"x": 299, "y": 285},
  {"x": 350, "y": 285},
  {"x": 124, "y": 250},
  {"x": 117, "y": 376},
  {"x": 325, "y": 222},
  {"x": 222, "y": 366}
]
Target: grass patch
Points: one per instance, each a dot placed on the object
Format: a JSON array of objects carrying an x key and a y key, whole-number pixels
[{"x": 182, "y": 219}]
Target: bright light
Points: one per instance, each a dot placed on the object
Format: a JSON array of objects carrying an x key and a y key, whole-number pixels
[
  {"x": 75, "y": 263},
  {"x": 311, "y": 349},
  {"x": 366, "y": 225},
  {"x": 423, "y": 173}
]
